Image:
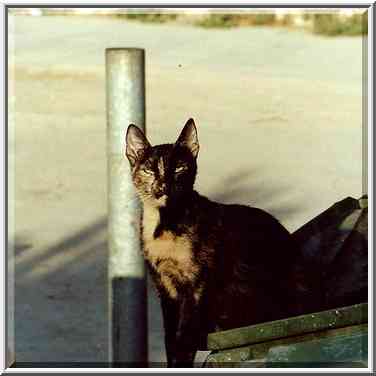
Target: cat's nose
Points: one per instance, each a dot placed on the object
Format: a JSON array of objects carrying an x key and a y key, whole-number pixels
[{"x": 160, "y": 191}]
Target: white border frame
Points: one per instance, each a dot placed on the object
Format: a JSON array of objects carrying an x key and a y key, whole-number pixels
[{"x": 209, "y": 4}]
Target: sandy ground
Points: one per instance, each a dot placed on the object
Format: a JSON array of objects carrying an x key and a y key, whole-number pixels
[{"x": 279, "y": 116}]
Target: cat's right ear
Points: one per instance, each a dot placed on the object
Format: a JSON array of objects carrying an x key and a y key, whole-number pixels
[{"x": 136, "y": 144}]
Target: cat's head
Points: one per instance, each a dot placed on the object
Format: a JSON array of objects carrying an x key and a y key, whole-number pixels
[{"x": 165, "y": 172}]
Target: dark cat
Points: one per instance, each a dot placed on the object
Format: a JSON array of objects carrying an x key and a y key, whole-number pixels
[{"x": 215, "y": 266}]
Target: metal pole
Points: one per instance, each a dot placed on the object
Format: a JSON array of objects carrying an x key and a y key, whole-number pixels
[{"x": 125, "y": 105}]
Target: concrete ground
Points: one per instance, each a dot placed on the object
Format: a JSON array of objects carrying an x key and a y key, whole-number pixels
[{"x": 279, "y": 117}]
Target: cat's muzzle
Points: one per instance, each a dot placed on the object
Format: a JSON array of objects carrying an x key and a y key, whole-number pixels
[{"x": 160, "y": 192}]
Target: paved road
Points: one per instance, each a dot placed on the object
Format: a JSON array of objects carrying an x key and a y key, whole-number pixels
[{"x": 279, "y": 115}]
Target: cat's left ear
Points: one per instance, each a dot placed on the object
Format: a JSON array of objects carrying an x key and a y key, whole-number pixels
[{"x": 188, "y": 137}]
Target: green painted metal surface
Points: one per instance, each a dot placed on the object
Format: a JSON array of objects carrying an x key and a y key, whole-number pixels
[
  {"x": 338, "y": 351},
  {"x": 335, "y": 318},
  {"x": 334, "y": 338},
  {"x": 342, "y": 347}
]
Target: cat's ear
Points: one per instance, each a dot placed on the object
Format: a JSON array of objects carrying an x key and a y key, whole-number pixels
[
  {"x": 188, "y": 137},
  {"x": 136, "y": 144}
]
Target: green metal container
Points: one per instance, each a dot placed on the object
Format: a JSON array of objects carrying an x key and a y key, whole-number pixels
[{"x": 333, "y": 338}]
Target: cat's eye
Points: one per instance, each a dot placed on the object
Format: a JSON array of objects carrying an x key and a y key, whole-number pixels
[
  {"x": 147, "y": 171},
  {"x": 147, "y": 168},
  {"x": 179, "y": 169}
]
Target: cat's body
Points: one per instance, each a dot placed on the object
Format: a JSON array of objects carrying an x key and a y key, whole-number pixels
[
  {"x": 215, "y": 247},
  {"x": 215, "y": 266}
]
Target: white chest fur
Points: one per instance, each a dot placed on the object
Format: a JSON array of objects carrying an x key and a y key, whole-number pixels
[{"x": 169, "y": 255}]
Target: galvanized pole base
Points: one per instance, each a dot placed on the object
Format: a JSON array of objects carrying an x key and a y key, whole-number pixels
[{"x": 128, "y": 309}]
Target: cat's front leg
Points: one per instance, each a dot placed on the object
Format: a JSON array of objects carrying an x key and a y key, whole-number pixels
[
  {"x": 188, "y": 332},
  {"x": 170, "y": 314}
]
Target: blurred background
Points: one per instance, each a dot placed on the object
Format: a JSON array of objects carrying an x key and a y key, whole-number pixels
[{"x": 277, "y": 98}]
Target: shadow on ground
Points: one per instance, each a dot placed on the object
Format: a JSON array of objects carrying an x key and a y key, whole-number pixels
[
  {"x": 61, "y": 298},
  {"x": 61, "y": 304}
]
